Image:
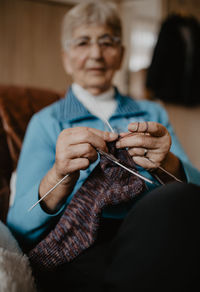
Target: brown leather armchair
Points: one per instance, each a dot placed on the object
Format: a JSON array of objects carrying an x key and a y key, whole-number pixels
[{"x": 17, "y": 105}]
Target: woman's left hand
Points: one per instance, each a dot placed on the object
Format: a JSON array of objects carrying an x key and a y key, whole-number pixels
[{"x": 148, "y": 143}]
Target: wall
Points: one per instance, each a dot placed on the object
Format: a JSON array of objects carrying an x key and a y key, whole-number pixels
[
  {"x": 186, "y": 123},
  {"x": 141, "y": 21},
  {"x": 30, "y": 52}
]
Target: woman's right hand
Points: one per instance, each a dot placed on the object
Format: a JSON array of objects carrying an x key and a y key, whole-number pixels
[{"x": 75, "y": 150}]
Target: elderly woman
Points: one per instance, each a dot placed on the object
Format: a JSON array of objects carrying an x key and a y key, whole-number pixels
[{"x": 150, "y": 247}]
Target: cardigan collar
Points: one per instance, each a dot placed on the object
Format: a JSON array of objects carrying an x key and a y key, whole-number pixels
[{"x": 72, "y": 109}]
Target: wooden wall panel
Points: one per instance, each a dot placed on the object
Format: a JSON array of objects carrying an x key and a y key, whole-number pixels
[{"x": 30, "y": 51}]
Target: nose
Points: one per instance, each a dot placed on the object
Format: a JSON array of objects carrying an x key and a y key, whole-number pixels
[{"x": 95, "y": 51}]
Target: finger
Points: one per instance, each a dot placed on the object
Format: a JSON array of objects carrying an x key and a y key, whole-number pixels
[
  {"x": 81, "y": 135},
  {"x": 145, "y": 162},
  {"x": 71, "y": 165},
  {"x": 123, "y": 134},
  {"x": 138, "y": 140},
  {"x": 138, "y": 151},
  {"x": 106, "y": 136},
  {"x": 77, "y": 164},
  {"x": 153, "y": 155},
  {"x": 84, "y": 150},
  {"x": 126, "y": 134},
  {"x": 146, "y": 153},
  {"x": 153, "y": 128}
]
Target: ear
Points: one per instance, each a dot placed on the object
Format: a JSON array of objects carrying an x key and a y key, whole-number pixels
[
  {"x": 66, "y": 62},
  {"x": 121, "y": 57}
]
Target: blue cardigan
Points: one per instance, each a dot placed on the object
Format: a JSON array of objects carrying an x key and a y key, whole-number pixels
[{"x": 38, "y": 156}]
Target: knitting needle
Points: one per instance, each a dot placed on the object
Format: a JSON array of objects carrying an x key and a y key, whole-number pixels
[
  {"x": 113, "y": 159},
  {"x": 48, "y": 192},
  {"x": 108, "y": 156},
  {"x": 159, "y": 167},
  {"x": 167, "y": 172},
  {"x": 53, "y": 188},
  {"x": 116, "y": 161},
  {"x": 108, "y": 124}
]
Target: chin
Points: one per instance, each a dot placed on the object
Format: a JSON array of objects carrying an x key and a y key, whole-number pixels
[
  {"x": 98, "y": 82},
  {"x": 96, "y": 89}
]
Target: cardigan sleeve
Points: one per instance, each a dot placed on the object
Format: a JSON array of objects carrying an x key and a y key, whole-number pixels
[{"x": 36, "y": 158}]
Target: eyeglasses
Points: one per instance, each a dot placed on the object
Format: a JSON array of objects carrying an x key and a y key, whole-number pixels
[{"x": 104, "y": 42}]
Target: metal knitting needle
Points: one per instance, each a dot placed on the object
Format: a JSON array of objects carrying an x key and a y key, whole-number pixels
[
  {"x": 159, "y": 167},
  {"x": 116, "y": 161},
  {"x": 108, "y": 124},
  {"x": 58, "y": 183},
  {"x": 169, "y": 173},
  {"x": 49, "y": 191},
  {"x": 108, "y": 156},
  {"x": 113, "y": 159}
]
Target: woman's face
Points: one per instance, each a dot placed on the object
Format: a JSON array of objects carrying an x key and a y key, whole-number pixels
[{"x": 93, "y": 56}]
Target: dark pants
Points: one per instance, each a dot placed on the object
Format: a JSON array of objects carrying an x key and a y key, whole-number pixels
[{"x": 156, "y": 247}]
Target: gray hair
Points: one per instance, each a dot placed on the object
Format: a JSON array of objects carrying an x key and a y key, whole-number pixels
[{"x": 91, "y": 12}]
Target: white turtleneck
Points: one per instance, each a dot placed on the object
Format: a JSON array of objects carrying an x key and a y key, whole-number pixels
[{"x": 102, "y": 105}]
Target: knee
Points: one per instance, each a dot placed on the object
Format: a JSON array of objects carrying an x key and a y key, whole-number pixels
[
  {"x": 171, "y": 195},
  {"x": 174, "y": 203}
]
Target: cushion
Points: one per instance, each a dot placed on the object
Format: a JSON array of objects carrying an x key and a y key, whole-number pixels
[{"x": 17, "y": 105}]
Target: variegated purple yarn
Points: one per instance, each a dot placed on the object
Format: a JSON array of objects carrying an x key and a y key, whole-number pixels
[{"x": 77, "y": 228}]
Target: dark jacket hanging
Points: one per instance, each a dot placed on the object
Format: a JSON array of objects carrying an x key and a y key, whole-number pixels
[{"x": 174, "y": 73}]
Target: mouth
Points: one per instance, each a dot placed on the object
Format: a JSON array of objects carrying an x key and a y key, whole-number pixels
[
  {"x": 98, "y": 68},
  {"x": 96, "y": 71}
]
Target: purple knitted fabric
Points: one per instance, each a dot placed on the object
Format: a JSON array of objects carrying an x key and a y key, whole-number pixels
[{"x": 77, "y": 228}]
